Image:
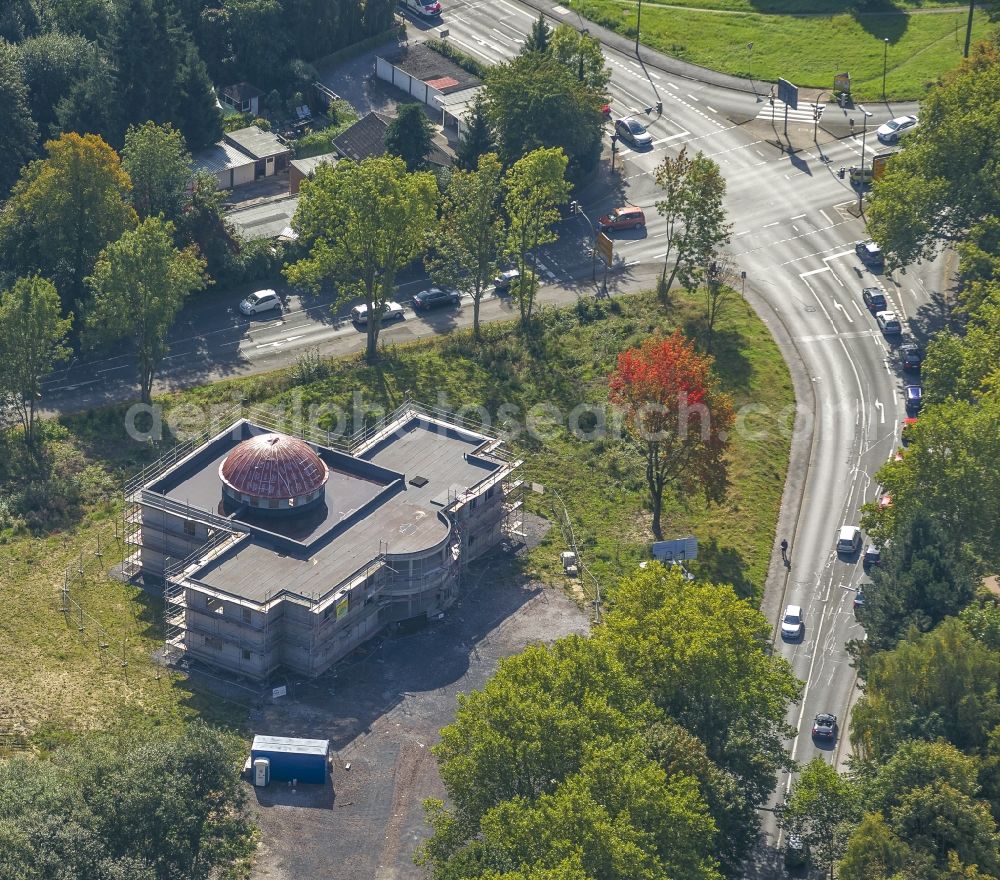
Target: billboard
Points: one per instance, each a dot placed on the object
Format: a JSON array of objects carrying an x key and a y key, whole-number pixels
[
  {"x": 605, "y": 247},
  {"x": 879, "y": 163},
  {"x": 342, "y": 606},
  {"x": 788, "y": 94},
  {"x": 676, "y": 550},
  {"x": 842, "y": 83}
]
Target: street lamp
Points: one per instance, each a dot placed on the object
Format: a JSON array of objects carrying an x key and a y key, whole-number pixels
[
  {"x": 638, "y": 20},
  {"x": 583, "y": 35},
  {"x": 864, "y": 134},
  {"x": 885, "y": 61}
]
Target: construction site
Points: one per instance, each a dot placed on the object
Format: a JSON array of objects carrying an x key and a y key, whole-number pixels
[{"x": 275, "y": 550}]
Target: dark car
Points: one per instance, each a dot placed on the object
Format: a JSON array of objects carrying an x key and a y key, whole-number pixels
[
  {"x": 870, "y": 254},
  {"x": 434, "y": 297},
  {"x": 796, "y": 853},
  {"x": 633, "y": 132},
  {"x": 910, "y": 356},
  {"x": 914, "y": 398},
  {"x": 824, "y": 726},
  {"x": 874, "y": 299},
  {"x": 859, "y": 600}
]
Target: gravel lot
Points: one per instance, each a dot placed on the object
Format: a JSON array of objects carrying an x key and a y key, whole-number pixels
[{"x": 382, "y": 712}]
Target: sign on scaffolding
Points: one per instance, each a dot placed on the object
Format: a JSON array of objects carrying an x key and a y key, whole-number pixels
[
  {"x": 605, "y": 247},
  {"x": 788, "y": 94},
  {"x": 678, "y": 550}
]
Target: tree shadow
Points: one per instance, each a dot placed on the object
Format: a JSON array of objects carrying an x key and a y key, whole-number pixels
[
  {"x": 723, "y": 565},
  {"x": 880, "y": 18}
]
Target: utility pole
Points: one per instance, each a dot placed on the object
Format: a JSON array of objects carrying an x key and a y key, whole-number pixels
[
  {"x": 864, "y": 135},
  {"x": 638, "y": 19},
  {"x": 885, "y": 61},
  {"x": 968, "y": 29}
]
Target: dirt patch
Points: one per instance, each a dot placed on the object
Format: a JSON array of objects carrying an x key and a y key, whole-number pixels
[{"x": 382, "y": 713}]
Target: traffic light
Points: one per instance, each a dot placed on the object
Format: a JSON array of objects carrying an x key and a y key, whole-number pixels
[
  {"x": 574, "y": 207},
  {"x": 659, "y": 108}
]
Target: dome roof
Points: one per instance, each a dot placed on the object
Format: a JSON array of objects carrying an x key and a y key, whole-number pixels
[{"x": 274, "y": 466}]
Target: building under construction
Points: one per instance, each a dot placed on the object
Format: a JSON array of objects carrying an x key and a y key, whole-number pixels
[{"x": 284, "y": 551}]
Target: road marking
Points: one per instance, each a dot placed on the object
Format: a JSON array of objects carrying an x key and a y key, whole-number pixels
[
  {"x": 675, "y": 88},
  {"x": 838, "y": 256},
  {"x": 769, "y": 225},
  {"x": 560, "y": 10},
  {"x": 455, "y": 39},
  {"x": 711, "y": 108},
  {"x": 794, "y": 227},
  {"x": 815, "y": 272},
  {"x": 837, "y": 305},
  {"x": 278, "y": 342},
  {"x": 797, "y": 217},
  {"x": 828, "y": 220},
  {"x": 881, "y": 411},
  {"x": 655, "y": 75},
  {"x": 692, "y": 97},
  {"x": 854, "y": 303},
  {"x": 745, "y": 232}
]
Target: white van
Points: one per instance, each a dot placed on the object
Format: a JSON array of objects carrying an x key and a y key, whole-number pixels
[{"x": 849, "y": 540}]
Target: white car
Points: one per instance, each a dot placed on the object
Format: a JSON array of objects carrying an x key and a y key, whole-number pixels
[
  {"x": 391, "y": 311},
  {"x": 260, "y": 301},
  {"x": 849, "y": 540},
  {"x": 791, "y": 622},
  {"x": 894, "y": 129},
  {"x": 888, "y": 323}
]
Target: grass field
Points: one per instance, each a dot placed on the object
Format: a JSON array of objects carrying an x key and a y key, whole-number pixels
[
  {"x": 59, "y": 679},
  {"x": 807, "y": 49}
]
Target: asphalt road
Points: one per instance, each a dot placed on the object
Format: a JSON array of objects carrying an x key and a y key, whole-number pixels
[{"x": 793, "y": 236}]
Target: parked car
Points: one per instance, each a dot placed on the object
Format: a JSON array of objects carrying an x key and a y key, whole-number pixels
[
  {"x": 632, "y": 131},
  {"x": 506, "y": 279},
  {"x": 872, "y": 556},
  {"x": 874, "y": 299},
  {"x": 905, "y": 432},
  {"x": 423, "y": 8},
  {"x": 870, "y": 254},
  {"x": 885, "y": 500},
  {"x": 888, "y": 323},
  {"x": 260, "y": 301},
  {"x": 891, "y": 131},
  {"x": 911, "y": 356},
  {"x": 627, "y": 217},
  {"x": 791, "y": 623},
  {"x": 859, "y": 600},
  {"x": 913, "y": 394},
  {"x": 825, "y": 726},
  {"x": 434, "y": 297},
  {"x": 849, "y": 540},
  {"x": 391, "y": 311}
]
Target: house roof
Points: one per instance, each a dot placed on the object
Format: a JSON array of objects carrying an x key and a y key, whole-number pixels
[
  {"x": 220, "y": 157},
  {"x": 366, "y": 139},
  {"x": 308, "y": 166},
  {"x": 422, "y": 62},
  {"x": 242, "y": 91},
  {"x": 256, "y": 142}
]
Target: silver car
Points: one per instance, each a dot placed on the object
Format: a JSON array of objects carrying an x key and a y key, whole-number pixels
[
  {"x": 894, "y": 129},
  {"x": 260, "y": 301}
]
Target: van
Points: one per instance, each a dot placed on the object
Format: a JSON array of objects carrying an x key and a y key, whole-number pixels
[{"x": 849, "y": 540}]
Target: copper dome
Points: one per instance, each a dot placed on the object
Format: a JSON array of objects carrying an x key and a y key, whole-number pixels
[{"x": 274, "y": 466}]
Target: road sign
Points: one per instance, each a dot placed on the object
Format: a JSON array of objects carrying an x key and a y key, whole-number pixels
[
  {"x": 788, "y": 94},
  {"x": 279, "y": 692},
  {"x": 842, "y": 83},
  {"x": 878, "y": 164},
  {"x": 605, "y": 247},
  {"x": 679, "y": 549}
]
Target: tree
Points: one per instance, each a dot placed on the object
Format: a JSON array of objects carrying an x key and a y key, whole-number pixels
[
  {"x": 697, "y": 650},
  {"x": 942, "y": 183},
  {"x": 140, "y": 283},
  {"x": 538, "y": 39},
  {"x": 821, "y": 809},
  {"x": 535, "y": 186},
  {"x": 937, "y": 684},
  {"x": 409, "y": 136},
  {"x": 361, "y": 222},
  {"x": 581, "y": 54},
  {"x": 159, "y": 166},
  {"x": 203, "y": 223},
  {"x": 18, "y": 132},
  {"x": 694, "y": 191},
  {"x": 533, "y": 101},
  {"x": 32, "y": 342},
  {"x": 721, "y": 276},
  {"x": 472, "y": 232},
  {"x": 918, "y": 764},
  {"x": 477, "y": 138},
  {"x": 922, "y": 578},
  {"x": 873, "y": 852},
  {"x": 63, "y": 210},
  {"x": 660, "y": 385}
]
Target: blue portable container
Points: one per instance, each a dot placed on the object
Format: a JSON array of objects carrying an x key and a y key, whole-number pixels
[{"x": 305, "y": 760}]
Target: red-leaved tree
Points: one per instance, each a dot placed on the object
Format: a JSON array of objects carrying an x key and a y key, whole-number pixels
[{"x": 676, "y": 412}]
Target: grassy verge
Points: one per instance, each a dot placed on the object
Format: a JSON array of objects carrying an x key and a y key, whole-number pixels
[
  {"x": 805, "y": 49},
  {"x": 57, "y": 678}
]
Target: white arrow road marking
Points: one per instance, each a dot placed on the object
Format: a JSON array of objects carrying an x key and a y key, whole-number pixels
[
  {"x": 881, "y": 411},
  {"x": 837, "y": 305},
  {"x": 279, "y": 342}
]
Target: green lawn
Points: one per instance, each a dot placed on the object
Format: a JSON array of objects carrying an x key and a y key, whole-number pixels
[
  {"x": 807, "y": 49},
  {"x": 57, "y": 679}
]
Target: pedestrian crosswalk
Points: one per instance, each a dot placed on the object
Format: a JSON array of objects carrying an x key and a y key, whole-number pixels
[{"x": 776, "y": 112}]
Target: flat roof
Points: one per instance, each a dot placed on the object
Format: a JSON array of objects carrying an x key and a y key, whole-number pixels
[
  {"x": 220, "y": 157},
  {"x": 256, "y": 142},
  {"x": 309, "y": 165},
  {"x": 420, "y": 61},
  {"x": 372, "y": 508},
  {"x": 294, "y": 744},
  {"x": 266, "y": 220}
]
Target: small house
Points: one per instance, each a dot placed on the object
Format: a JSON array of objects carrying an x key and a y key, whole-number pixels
[{"x": 242, "y": 98}]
